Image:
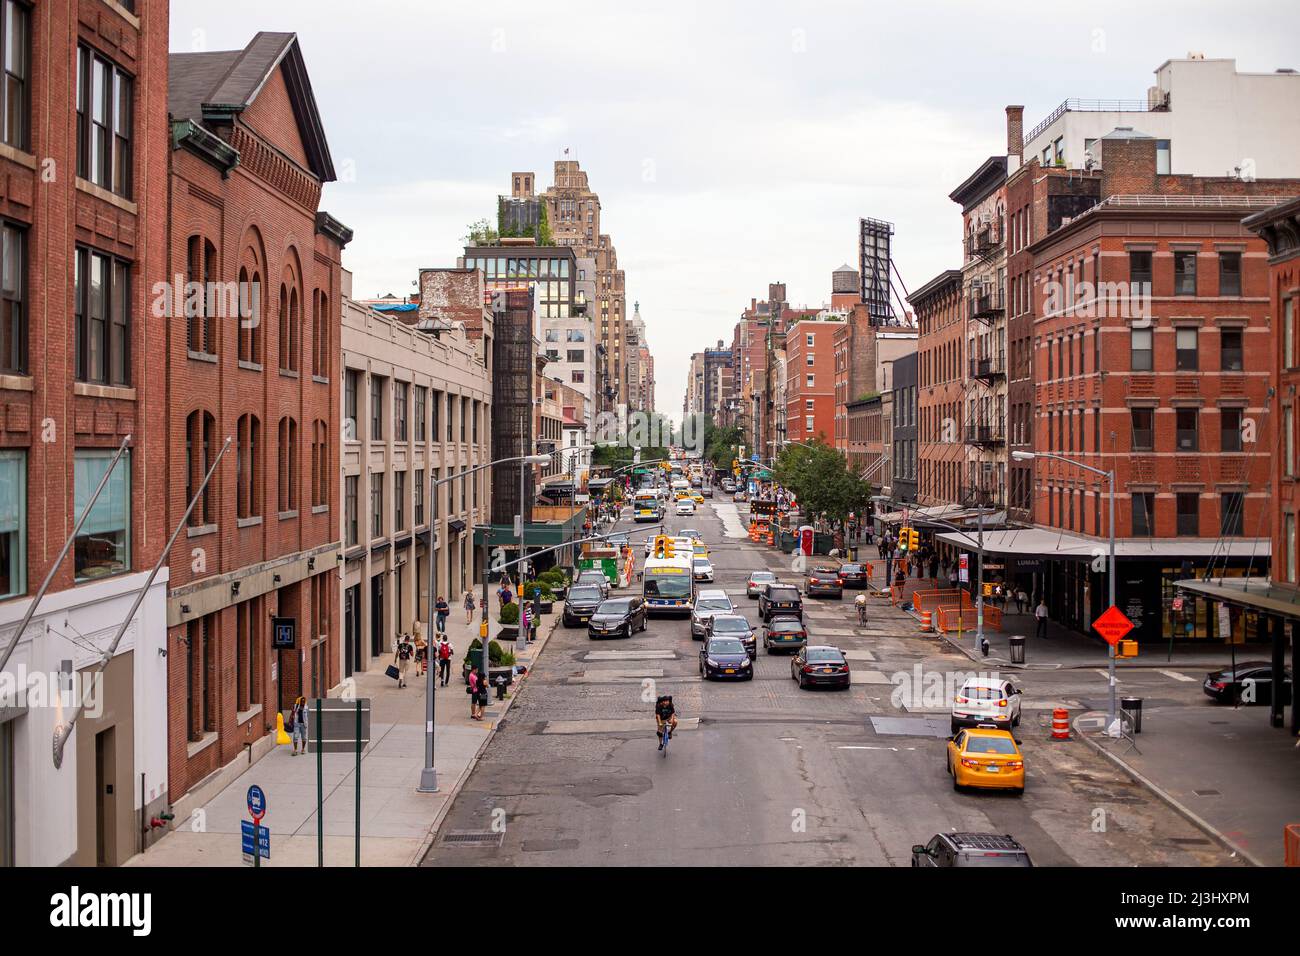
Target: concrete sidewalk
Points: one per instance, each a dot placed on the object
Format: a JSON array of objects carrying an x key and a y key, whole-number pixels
[
  {"x": 1223, "y": 768},
  {"x": 397, "y": 823}
]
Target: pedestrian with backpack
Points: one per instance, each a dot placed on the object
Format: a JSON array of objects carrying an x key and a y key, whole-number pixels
[
  {"x": 445, "y": 651},
  {"x": 402, "y": 658}
]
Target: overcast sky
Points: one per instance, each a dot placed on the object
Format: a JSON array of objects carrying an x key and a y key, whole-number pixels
[{"x": 733, "y": 144}]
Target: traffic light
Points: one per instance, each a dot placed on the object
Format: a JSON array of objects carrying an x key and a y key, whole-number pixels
[
  {"x": 663, "y": 546},
  {"x": 914, "y": 540},
  {"x": 904, "y": 540}
]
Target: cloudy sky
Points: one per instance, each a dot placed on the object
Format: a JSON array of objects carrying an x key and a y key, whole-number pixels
[{"x": 733, "y": 144}]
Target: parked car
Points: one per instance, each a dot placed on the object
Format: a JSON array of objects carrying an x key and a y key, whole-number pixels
[
  {"x": 618, "y": 617},
  {"x": 784, "y": 632},
  {"x": 987, "y": 758},
  {"x": 725, "y": 657},
  {"x": 823, "y": 581},
  {"x": 971, "y": 849},
  {"x": 580, "y": 604},
  {"x": 820, "y": 665},
  {"x": 595, "y": 579},
  {"x": 779, "y": 600},
  {"x": 702, "y": 568},
  {"x": 853, "y": 575},
  {"x": 708, "y": 603},
  {"x": 757, "y": 581},
  {"x": 985, "y": 700},
  {"x": 732, "y": 625},
  {"x": 1250, "y": 683}
]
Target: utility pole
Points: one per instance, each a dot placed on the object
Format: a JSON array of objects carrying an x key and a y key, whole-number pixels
[
  {"x": 521, "y": 640},
  {"x": 428, "y": 773}
]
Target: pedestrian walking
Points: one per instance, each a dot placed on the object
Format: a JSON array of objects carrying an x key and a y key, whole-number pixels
[
  {"x": 445, "y": 650},
  {"x": 469, "y": 606},
  {"x": 1040, "y": 618},
  {"x": 402, "y": 658},
  {"x": 1022, "y": 600},
  {"x": 443, "y": 609},
  {"x": 504, "y": 594},
  {"x": 421, "y": 649},
  {"x": 471, "y": 688},
  {"x": 534, "y": 616},
  {"x": 298, "y": 724}
]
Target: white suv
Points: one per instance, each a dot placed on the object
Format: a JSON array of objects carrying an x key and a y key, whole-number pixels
[
  {"x": 986, "y": 700},
  {"x": 709, "y": 602}
]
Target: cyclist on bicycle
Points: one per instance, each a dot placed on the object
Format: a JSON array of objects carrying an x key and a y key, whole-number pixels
[
  {"x": 860, "y": 602},
  {"x": 665, "y": 713}
]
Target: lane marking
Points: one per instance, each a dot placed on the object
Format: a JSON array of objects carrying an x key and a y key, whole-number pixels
[{"x": 1177, "y": 676}]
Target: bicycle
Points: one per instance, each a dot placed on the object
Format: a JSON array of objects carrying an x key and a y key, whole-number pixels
[
  {"x": 862, "y": 614},
  {"x": 665, "y": 736}
]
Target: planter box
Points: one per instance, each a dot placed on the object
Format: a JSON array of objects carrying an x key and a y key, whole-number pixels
[{"x": 506, "y": 671}]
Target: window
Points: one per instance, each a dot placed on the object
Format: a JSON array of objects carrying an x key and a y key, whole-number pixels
[
  {"x": 15, "y": 41},
  {"x": 104, "y": 545},
  {"x": 13, "y": 524},
  {"x": 419, "y": 497},
  {"x": 1058, "y": 150},
  {"x": 399, "y": 410},
  {"x": 290, "y": 325},
  {"x": 810, "y": 339},
  {"x": 476, "y": 411},
  {"x": 351, "y": 381},
  {"x": 320, "y": 464},
  {"x": 104, "y": 120},
  {"x": 377, "y": 505},
  {"x": 248, "y": 467},
  {"x": 1189, "y": 517},
  {"x": 810, "y": 380},
  {"x": 1288, "y": 439},
  {"x": 399, "y": 501},
  {"x": 421, "y": 412},
  {"x": 247, "y": 654},
  {"x": 13, "y": 295},
  {"x": 1140, "y": 350},
  {"x": 102, "y": 292},
  {"x": 808, "y": 424},
  {"x": 1229, "y": 273},
  {"x": 376, "y": 408},
  {"x": 1185, "y": 349},
  {"x": 320, "y": 340},
  {"x": 577, "y": 377},
  {"x": 577, "y": 355},
  {"x": 350, "y": 508},
  {"x": 200, "y": 673},
  {"x": 1288, "y": 334},
  {"x": 1184, "y": 273},
  {"x": 1186, "y": 429},
  {"x": 200, "y": 296},
  {"x": 451, "y": 417},
  {"x": 1290, "y": 545},
  {"x": 1230, "y": 355},
  {"x": 808, "y": 404},
  {"x": 810, "y": 360},
  {"x": 250, "y": 313},
  {"x": 1143, "y": 428},
  {"x": 1163, "y": 164},
  {"x": 200, "y": 448},
  {"x": 1230, "y": 429},
  {"x": 1144, "y": 518},
  {"x": 288, "y": 477},
  {"x": 1139, "y": 271},
  {"x": 1231, "y": 504},
  {"x": 435, "y": 409}
]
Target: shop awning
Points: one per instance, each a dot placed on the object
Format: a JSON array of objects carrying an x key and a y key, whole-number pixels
[
  {"x": 1047, "y": 543},
  {"x": 456, "y": 525},
  {"x": 1259, "y": 594},
  {"x": 920, "y": 515}
]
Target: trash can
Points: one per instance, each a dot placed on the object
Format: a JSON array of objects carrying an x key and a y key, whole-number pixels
[
  {"x": 1017, "y": 649},
  {"x": 1133, "y": 705}
]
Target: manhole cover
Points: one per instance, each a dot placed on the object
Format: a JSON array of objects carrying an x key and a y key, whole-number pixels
[
  {"x": 911, "y": 726},
  {"x": 474, "y": 838}
]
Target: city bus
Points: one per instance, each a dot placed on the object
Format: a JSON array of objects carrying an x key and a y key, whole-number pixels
[
  {"x": 647, "y": 506},
  {"x": 668, "y": 584}
]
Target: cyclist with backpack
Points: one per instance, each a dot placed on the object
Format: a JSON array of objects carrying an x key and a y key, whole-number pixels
[{"x": 665, "y": 713}]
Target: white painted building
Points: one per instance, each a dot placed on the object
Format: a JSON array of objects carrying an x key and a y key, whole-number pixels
[{"x": 1208, "y": 118}]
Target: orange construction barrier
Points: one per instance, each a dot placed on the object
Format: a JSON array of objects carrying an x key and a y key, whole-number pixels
[
  {"x": 936, "y": 596},
  {"x": 1060, "y": 724},
  {"x": 926, "y": 624},
  {"x": 1291, "y": 842},
  {"x": 946, "y": 618}
]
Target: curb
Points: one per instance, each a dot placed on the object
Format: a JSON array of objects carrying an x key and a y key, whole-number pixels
[
  {"x": 431, "y": 837},
  {"x": 1183, "y": 811}
]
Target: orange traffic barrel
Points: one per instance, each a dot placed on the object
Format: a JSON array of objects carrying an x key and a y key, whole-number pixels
[
  {"x": 1291, "y": 842},
  {"x": 926, "y": 623},
  {"x": 1060, "y": 724}
]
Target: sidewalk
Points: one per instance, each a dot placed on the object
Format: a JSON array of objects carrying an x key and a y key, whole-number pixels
[
  {"x": 397, "y": 823},
  {"x": 1223, "y": 768}
]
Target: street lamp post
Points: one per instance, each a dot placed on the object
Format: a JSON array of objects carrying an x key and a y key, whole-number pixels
[
  {"x": 1110, "y": 478},
  {"x": 428, "y": 774}
]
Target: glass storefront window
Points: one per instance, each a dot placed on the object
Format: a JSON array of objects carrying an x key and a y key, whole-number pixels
[
  {"x": 103, "y": 547},
  {"x": 13, "y": 523}
]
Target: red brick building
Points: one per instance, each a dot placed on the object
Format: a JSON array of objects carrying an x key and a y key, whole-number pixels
[
  {"x": 261, "y": 367},
  {"x": 940, "y": 370},
  {"x": 810, "y": 380},
  {"x": 83, "y": 204}
]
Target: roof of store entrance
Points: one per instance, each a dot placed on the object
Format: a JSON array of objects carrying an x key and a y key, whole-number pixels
[{"x": 1048, "y": 543}]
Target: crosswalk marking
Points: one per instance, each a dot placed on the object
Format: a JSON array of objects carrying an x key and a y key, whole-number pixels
[{"x": 1177, "y": 676}]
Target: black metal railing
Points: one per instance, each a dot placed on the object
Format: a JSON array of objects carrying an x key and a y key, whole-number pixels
[
  {"x": 978, "y": 434},
  {"x": 988, "y": 367},
  {"x": 986, "y": 305}
]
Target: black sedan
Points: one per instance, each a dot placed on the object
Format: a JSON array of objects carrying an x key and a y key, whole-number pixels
[
  {"x": 824, "y": 581},
  {"x": 784, "y": 632},
  {"x": 617, "y": 617},
  {"x": 580, "y": 604},
  {"x": 725, "y": 657},
  {"x": 1250, "y": 683},
  {"x": 820, "y": 666},
  {"x": 735, "y": 626},
  {"x": 853, "y": 575}
]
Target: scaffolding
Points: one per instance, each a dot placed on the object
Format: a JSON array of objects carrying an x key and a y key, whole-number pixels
[{"x": 512, "y": 403}]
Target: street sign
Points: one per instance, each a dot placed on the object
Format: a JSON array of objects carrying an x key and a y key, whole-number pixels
[
  {"x": 1112, "y": 625},
  {"x": 246, "y": 831},
  {"x": 256, "y": 802},
  {"x": 1178, "y": 604},
  {"x": 284, "y": 633}
]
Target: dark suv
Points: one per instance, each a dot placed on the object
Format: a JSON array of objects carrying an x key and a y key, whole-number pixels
[
  {"x": 780, "y": 600},
  {"x": 580, "y": 603},
  {"x": 824, "y": 581},
  {"x": 971, "y": 849}
]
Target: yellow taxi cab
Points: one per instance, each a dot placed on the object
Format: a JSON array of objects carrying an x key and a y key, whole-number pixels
[
  {"x": 700, "y": 549},
  {"x": 697, "y": 497},
  {"x": 986, "y": 757}
]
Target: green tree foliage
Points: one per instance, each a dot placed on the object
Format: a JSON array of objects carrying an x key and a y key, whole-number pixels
[
  {"x": 481, "y": 233},
  {"x": 721, "y": 445},
  {"x": 821, "y": 480}
]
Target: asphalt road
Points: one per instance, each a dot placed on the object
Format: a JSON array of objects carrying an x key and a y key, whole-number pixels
[{"x": 775, "y": 775}]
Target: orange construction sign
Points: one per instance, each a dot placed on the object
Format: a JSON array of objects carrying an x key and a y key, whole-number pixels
[{"x": 1112, "y": 625}]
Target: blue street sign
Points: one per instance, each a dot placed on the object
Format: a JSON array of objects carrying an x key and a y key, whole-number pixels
[
  {"x": 256, "y": 802},
  {"x": 246, "y": 828},
  {"x": 754, "y": 457}
]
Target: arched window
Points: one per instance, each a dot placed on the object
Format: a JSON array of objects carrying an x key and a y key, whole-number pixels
[
  {"x": 200, "y": 450},
  {"x": 288, "y": 458},
  {"x": 320, "y": 346},
  {"x": 320, "y": 464},
  {"x": 200, "y": 296},
  {"x": 250, "y": 314},
  {"x": 295, "y": 330},
  {"x": 286, "y": 354},
  {"x": 248, "y": 467}
]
